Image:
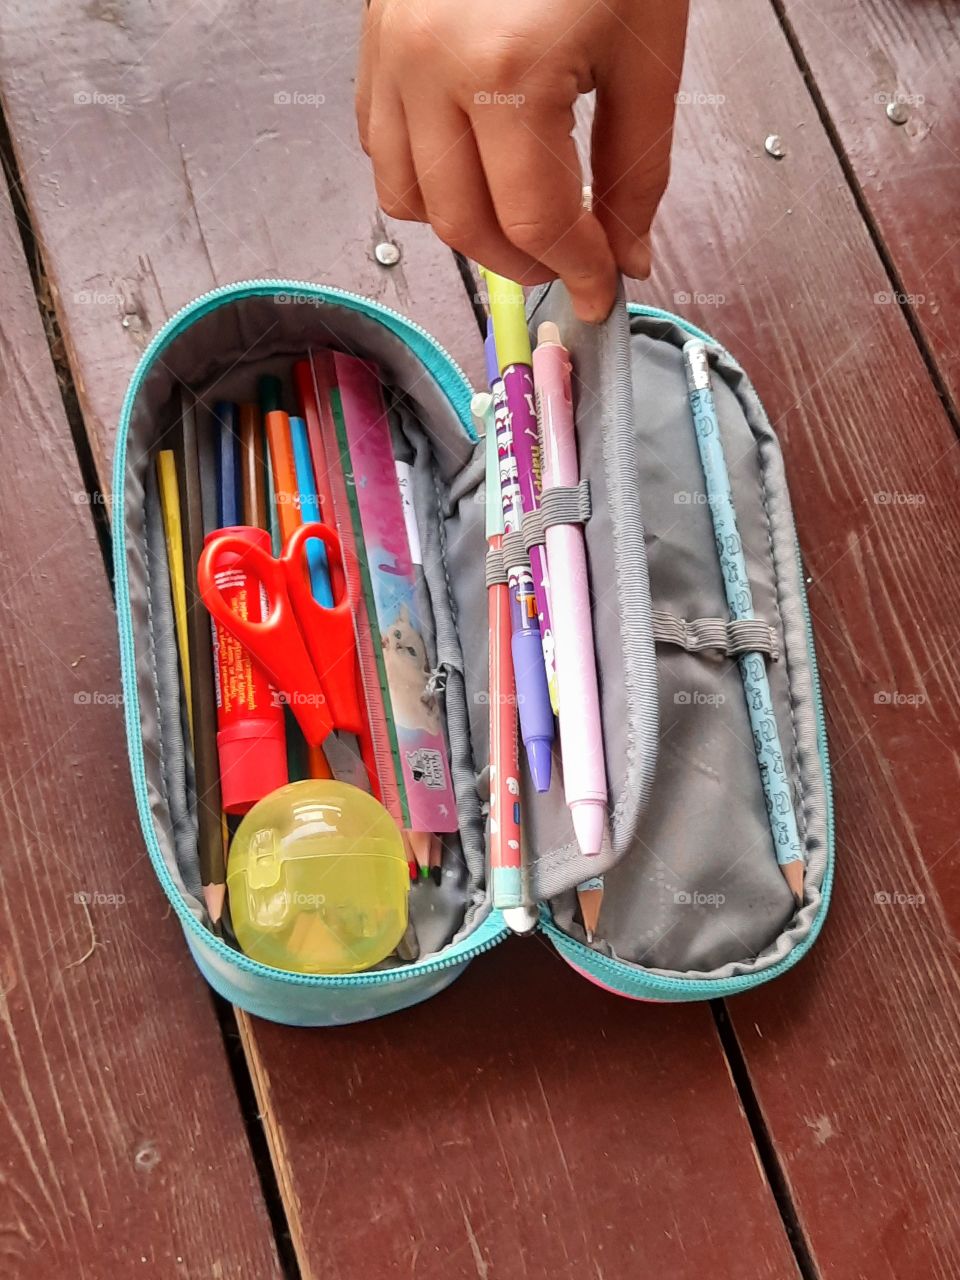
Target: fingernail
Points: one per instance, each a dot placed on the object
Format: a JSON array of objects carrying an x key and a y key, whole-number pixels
[
  {"x": 638, "y": 259},
  {"x": 592, "y": 309}
]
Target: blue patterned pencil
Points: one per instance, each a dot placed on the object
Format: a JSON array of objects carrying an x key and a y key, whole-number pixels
[{"x": 753, "y": 672}]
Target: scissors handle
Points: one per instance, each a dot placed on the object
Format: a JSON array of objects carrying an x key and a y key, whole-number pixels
[
  {"x": 275, "y": 643},
  {"x": 327, "y": 630}
]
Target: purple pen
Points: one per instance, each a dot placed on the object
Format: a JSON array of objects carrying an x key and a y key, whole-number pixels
[
  {"x": 533, "y": 694},
  {"x": 515, "y": 360}
]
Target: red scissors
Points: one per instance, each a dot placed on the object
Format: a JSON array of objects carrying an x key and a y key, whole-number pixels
[{"x": 307, "y": 650}]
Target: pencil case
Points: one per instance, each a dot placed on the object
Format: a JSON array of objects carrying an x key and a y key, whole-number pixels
[{"x": 695, "y": 906}]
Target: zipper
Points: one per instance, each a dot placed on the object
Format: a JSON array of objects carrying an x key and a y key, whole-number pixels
[
  {"x": 454, "y": 383},
  {"x": 629, "y": 978},
  {"x": 635, "y": 981}
]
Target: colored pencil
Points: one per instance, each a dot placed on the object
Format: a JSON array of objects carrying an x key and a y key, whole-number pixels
[
  {"x": 506, "y": 862},
  {"x": 173, "y": 534},
  {"x": 736, "y": 582},
  {"x": 206, "y": 767},
  {"x": 590, "y": 897},
  {"x": 229, "y": 506},
  {"x": 283, "y": 468},
  {"x": 253, "y": 472}
]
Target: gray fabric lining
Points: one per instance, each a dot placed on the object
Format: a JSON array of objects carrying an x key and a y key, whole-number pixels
[
  {"x": 730, "y": 637},
  {"x": 702, "y": 829},
  {"x": 700, "y": 894}
]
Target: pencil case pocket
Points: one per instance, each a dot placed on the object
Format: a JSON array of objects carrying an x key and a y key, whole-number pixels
[
  {"x": 224, "y": 340},
  {"x": 698, "y": 907}
]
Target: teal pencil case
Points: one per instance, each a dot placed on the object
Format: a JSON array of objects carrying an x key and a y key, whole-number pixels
[{"x": 695, "y": 905}]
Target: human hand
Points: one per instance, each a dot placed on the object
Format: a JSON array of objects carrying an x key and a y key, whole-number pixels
[{"x": 466, "y": 109}]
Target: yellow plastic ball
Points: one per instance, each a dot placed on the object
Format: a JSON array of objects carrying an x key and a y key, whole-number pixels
[{"x": 318, "y": 881}]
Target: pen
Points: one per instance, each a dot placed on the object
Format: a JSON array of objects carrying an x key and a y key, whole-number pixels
[
  {"x": 533, "y": 694},
  {"x": 736, "y": 583},
  {"x": 581, "y": 736},
  {"x": 506, "y": 853},
  {"x": 514, "y": 356}
]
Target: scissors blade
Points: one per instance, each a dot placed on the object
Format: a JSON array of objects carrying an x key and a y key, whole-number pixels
[{"x": 328, "y": 632}]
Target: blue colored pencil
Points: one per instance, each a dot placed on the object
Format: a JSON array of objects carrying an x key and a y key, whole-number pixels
[
  {"x": 229, "y": 497},
  {"x": 753, "y": 672},
  {"x": 310, "y": 512}
]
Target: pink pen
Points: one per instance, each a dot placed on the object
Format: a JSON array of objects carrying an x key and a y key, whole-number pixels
[{"x": 581, "y": 738}]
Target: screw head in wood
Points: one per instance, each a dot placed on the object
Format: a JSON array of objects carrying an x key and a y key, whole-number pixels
[
  {"x": 387, "y": 254},
  {"x": 898, "y": 112},
  {"x": 773, "y": 145}
]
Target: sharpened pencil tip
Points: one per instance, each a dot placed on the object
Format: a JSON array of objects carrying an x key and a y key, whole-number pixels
[
  {"x": 793, "y": 874},
  {"x": 214, "y": 896}
]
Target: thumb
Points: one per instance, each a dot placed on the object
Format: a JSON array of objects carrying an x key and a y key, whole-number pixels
[{"x": 633, "y": 128}]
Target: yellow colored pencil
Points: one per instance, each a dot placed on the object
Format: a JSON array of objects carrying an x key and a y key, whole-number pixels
[{"x": 173, "y": 533}]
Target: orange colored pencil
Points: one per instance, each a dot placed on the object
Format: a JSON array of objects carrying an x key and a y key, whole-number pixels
[{"x": 286, "y": 490}]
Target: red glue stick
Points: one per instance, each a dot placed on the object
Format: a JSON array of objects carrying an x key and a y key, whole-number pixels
[{"x": 251, "y": 741}]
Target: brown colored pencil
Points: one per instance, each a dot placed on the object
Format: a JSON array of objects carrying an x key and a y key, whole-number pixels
[
  {"x": 206, "y": 765},
  {"x": 253, "y": 473}
]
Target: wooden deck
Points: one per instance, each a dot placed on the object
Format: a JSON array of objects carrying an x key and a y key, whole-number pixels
[{"x": 523, "y": 1125}]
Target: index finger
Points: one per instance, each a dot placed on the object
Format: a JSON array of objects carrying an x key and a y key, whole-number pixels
[{"x": 533, "y": 173}]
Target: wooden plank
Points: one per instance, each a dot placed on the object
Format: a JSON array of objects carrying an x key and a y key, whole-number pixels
[
  {"x": 522, "y": 1123},
  {"x": 854, "y": 1054},
  {"x": 124, "y": 1149},
  {"x": 865, "y": 54},
  {"x": 214, "y": 146},
  {"x": 383, "y": 1113}
]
